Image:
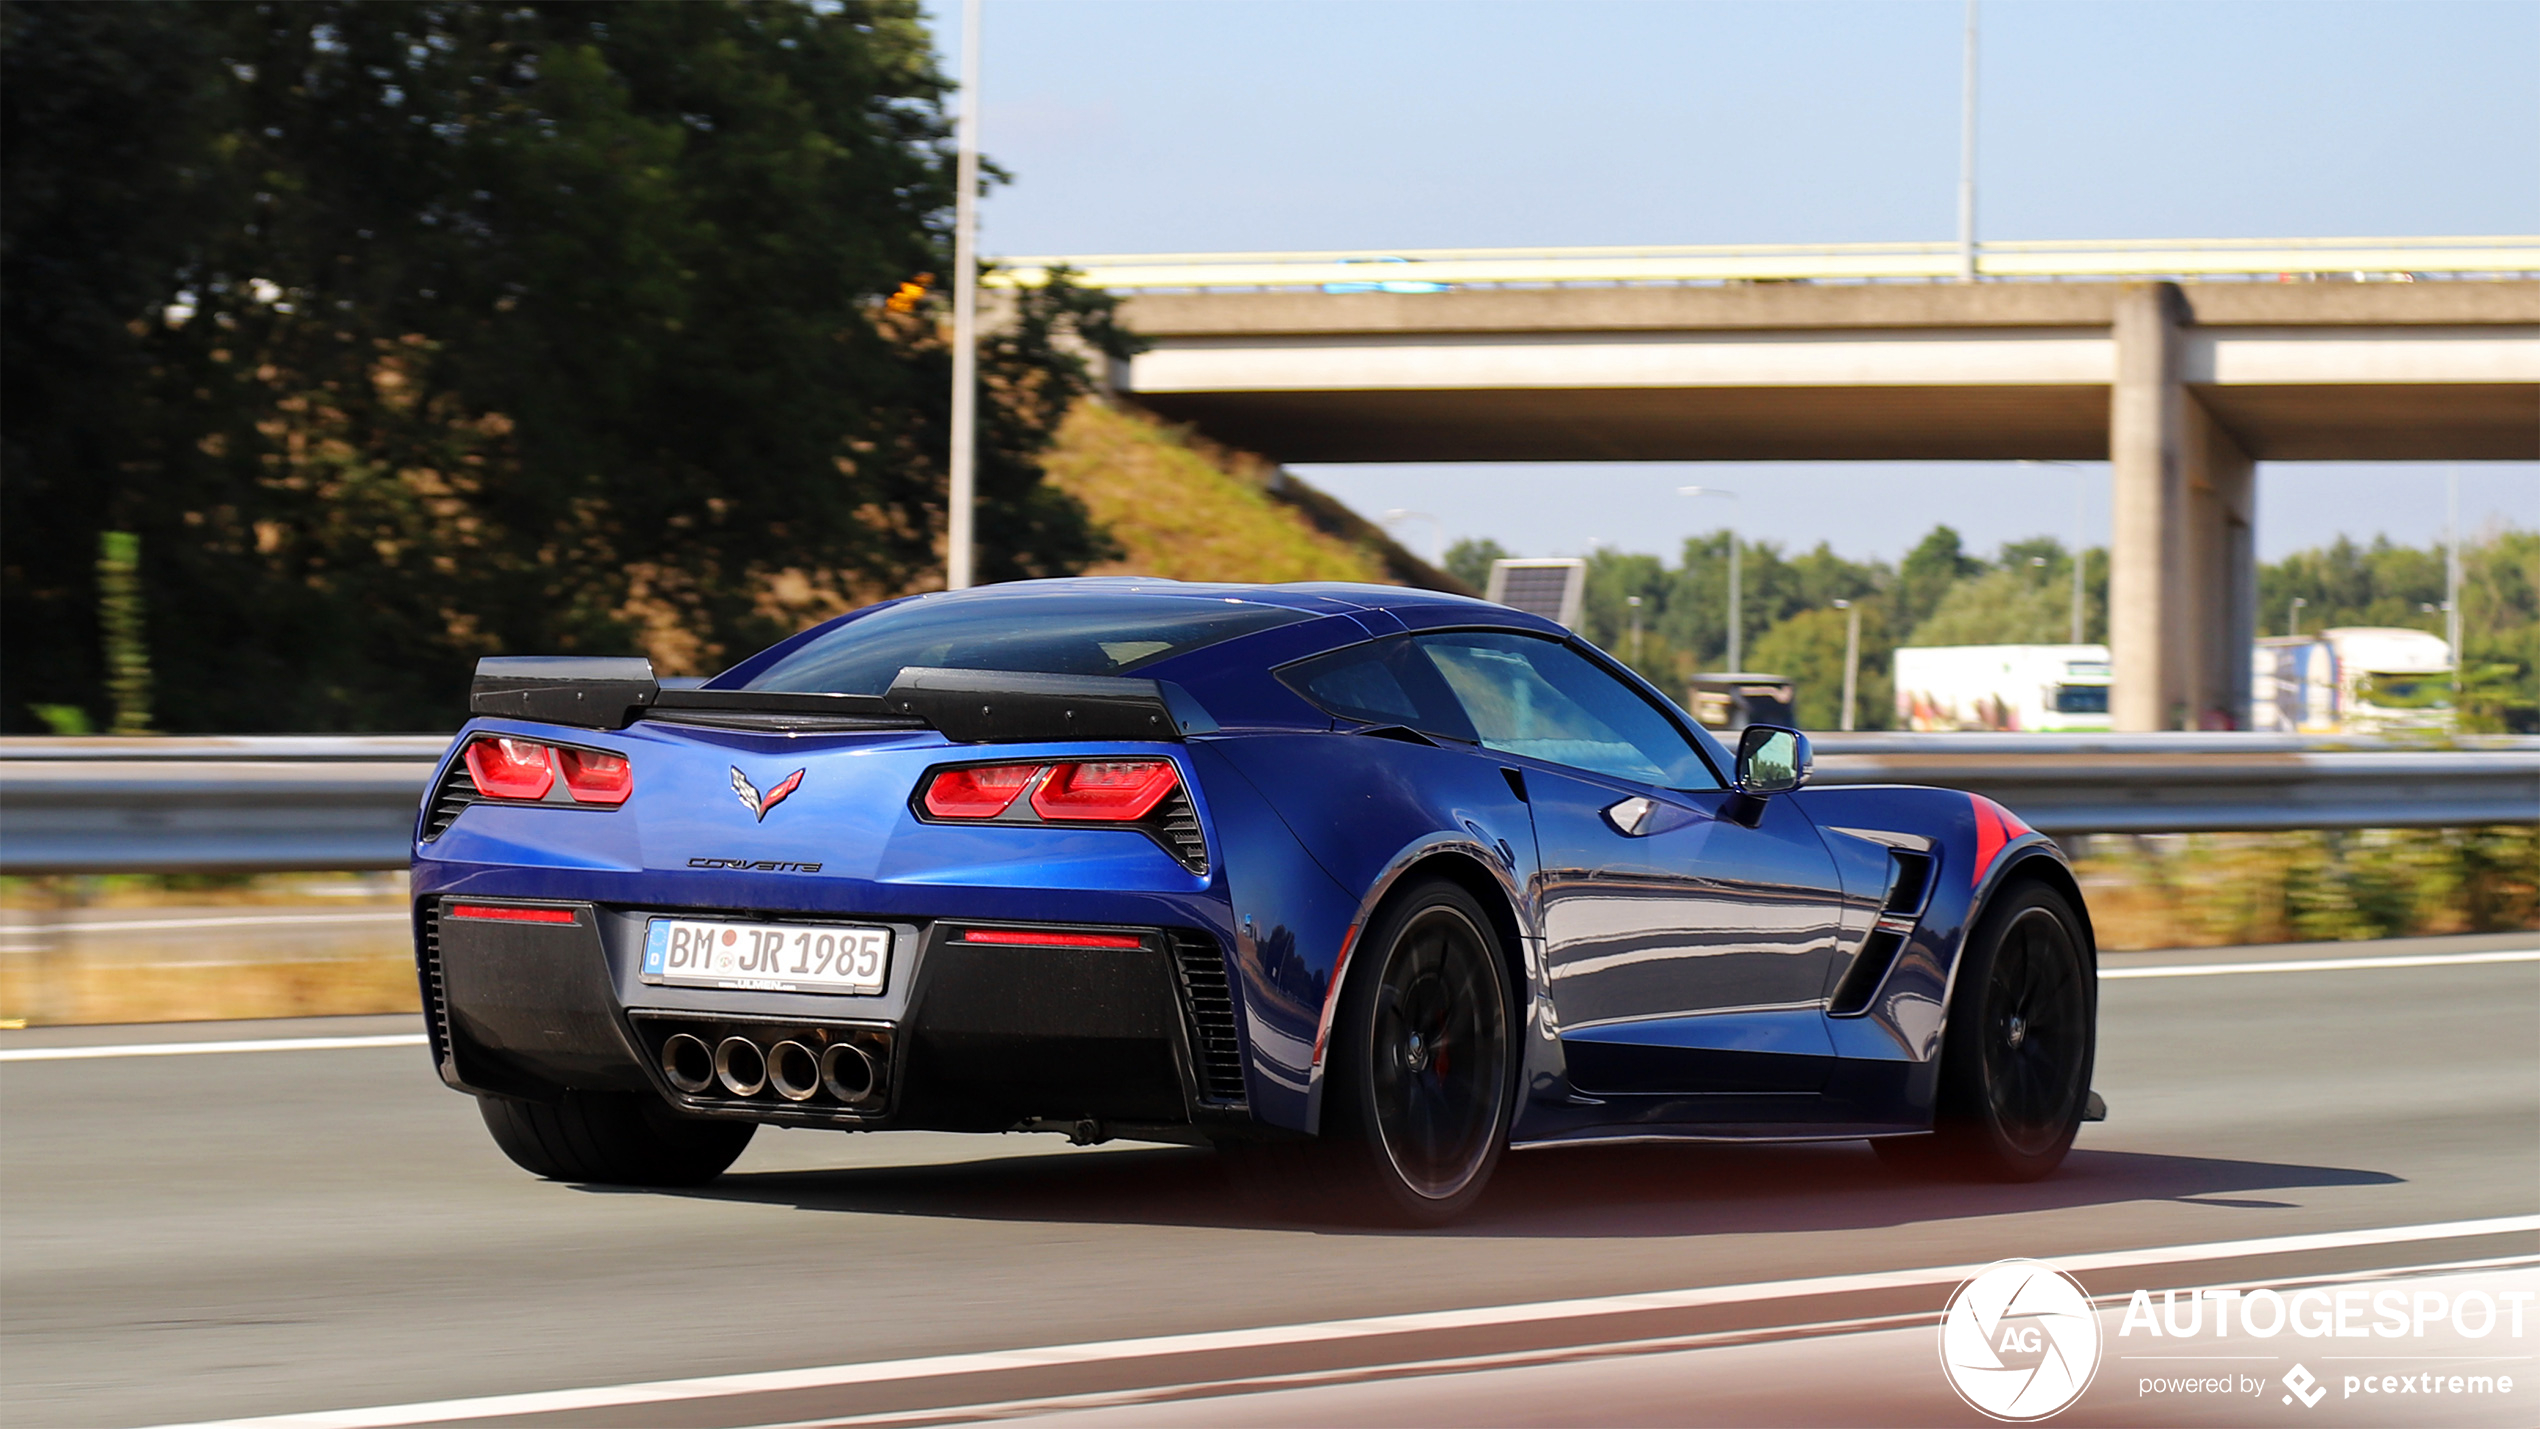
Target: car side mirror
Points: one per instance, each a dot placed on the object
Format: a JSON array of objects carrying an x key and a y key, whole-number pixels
[{"x": 1772, "y": 760}]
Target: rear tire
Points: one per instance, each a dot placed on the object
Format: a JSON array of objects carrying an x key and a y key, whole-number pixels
[
  {"x": 2015, "y": 1062},
  {"x": 1421, "y": 1080},
  {"x": 616, "y": 1138}
]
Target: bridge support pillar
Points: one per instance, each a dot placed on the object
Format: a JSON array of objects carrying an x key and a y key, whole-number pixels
[{"x": 2182, "y": 596}]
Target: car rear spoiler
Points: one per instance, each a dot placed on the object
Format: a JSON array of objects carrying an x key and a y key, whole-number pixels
[{"x": 967, "y": 706}]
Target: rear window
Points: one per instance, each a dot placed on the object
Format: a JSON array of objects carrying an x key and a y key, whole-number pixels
[{"x": 1047, "y": 633}]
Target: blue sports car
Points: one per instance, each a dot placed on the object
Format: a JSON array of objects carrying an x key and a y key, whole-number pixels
[{"x": 1361, "y": 885}]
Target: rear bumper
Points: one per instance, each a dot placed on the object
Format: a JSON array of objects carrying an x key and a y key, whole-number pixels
[{"x": 965, "y": 1036}]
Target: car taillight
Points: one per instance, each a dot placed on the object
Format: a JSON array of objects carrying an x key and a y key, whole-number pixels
[
  {"x": 980, "y": 792},
  {"x": 528, "y": 770},
  {"x": 595, "y": 778},
  {"x": 512, "y": 768},
  {"x": 1105, "y": 791}
]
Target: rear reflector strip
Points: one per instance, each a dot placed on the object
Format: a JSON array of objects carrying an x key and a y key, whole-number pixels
[
  {"x": 1020, "y": 938},
  {"x": 510, "y": 915}
]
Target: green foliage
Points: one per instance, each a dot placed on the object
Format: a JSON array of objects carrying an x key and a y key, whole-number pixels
[
  {"x": 1808, "y": 647},
  {"x": 2024, "y": 598},
  {"x": 2312, "y": 885},
  {"x": 119, "y": 615},
  {"x": 435, "y": 330},
  {"x": 1469, "y": 561}
]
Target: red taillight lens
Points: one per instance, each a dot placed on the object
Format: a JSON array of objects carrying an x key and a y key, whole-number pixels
[
  {"x": 1112, "y": 790},
  {"x": 1033, "y": 938},
  {"x": 982, "y": 792},
  {"x": 511, "y": 768},
  {"x": 495, "y": 913},
  {"x": 595, "y": 778}
]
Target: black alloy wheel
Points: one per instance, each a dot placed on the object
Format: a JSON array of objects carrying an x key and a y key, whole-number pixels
[
  {"x": 2035, "y": 1037},
  {"x": 2017, "y": 1055},
  {"x": 1421, "y": 1082}
]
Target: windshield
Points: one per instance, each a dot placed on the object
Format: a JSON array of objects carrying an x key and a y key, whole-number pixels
[
  {"x": 2407, "y": 692},
  {"x": 1042, "y": 632},
  {"x": 2081, "y": 699}
]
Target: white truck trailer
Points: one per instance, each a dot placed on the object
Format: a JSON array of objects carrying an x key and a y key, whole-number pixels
[
  {"x": 2042, "y": 688},
  {"x": 2351, "y": 679}
]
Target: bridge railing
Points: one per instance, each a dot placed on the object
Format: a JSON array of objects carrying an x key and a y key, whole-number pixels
[
  {"x": 1430, "y": 269},
  {"x": 274, "y": 804}
]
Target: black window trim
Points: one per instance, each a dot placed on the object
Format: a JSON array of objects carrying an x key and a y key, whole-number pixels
[{"x": 1648, "y": 693}]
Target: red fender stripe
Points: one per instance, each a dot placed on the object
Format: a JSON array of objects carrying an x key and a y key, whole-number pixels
[{"x": 1996, "y": 829}]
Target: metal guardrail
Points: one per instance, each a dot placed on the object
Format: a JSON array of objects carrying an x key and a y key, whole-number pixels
[
  {"x": 1418, "y": 269},
  {"x": 276, "y": 804}
]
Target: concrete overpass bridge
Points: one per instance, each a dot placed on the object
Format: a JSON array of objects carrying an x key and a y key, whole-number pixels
[{"x": 2182, "y": 364}]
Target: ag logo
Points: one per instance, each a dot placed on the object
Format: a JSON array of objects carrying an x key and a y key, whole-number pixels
[{"x": 2020, "y": 1341}]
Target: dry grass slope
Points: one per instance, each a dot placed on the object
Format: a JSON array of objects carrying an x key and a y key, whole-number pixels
[{"x": 1180, "y": 512}]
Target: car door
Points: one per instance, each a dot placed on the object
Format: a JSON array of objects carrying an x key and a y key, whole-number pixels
[{"x": 1689, "y": 929}]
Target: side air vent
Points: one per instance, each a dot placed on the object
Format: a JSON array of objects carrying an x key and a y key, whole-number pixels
[
  {"x": 1176, "y": 825},
  {"x": 436, "y": 997},
  {"x": 1208, "y": 1000},
  {"x": 1908, "y": 883},
  {"x": 457, "y": 790}
]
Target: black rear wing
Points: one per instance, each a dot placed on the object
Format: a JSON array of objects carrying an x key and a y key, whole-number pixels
[{"x": 967, "y": 706}]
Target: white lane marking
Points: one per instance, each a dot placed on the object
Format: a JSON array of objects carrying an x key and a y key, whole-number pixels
[
  {"x": 618, "y": 1396},
  {"x": 2324, "y": 965},
  {"x": 1569, "y": 1354},
  {"x": 189, "y": 1049},
  {"x": 152, "y": 925}
]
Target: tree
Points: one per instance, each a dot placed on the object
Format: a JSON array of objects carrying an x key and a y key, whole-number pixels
[
  {"x": 1936, "y": 563},
  {"x": 526, "y": 327},
  {"x": 1469, "y": 560},
  {"x": 1808, "y": 648}
]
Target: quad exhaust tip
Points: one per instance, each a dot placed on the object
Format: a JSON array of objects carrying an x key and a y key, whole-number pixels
[
  {"x": 688, "y": 1062},
  {"x": 741, "y": 1067},
  {"x": 847, "y": 1073},
  {"x": 794, "y": 1071}
]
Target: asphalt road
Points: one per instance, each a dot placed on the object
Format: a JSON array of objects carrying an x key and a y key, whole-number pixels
[{"x": 203, "y": 1236}]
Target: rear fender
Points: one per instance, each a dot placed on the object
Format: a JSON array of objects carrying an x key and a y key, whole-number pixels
[{"x": 1370, "y": 810}]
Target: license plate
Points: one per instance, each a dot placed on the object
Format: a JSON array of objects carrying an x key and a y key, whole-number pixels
[{"x": 772, "y": 957}]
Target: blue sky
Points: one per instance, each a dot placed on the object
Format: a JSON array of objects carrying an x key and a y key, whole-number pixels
[{"x": 1267, "y": 124}]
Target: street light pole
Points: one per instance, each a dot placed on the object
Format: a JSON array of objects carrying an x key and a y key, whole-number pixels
[
  {"x": 2452, "y": 580},
  {"x": 1967, "y": 157},
  {"x": 2081, "y": 517},
  {"x": 1851, "y": 657},
  {"x": 2293, "y": 617},
  {"x": 960, "y": 503},
  {"x": 2081, "y": 527},
  {"x": 1437, "y": 531},
  {"x": 1737, "y": 624}
]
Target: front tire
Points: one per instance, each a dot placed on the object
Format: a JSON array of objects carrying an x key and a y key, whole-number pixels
[
  {"x": 616, "y": 1138},
  {"x": 2015, "y": 1062},
  {"x": 1421, "y": 1082}
]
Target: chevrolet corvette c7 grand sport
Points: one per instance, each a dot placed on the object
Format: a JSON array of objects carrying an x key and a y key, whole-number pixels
[{"x": 1361, "y": 885}]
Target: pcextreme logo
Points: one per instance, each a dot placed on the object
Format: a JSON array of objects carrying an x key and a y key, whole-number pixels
[{"x": 2020, "y": 1341}]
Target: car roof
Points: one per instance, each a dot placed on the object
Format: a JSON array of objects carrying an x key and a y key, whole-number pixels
[{"x": 1312, "y": 597}]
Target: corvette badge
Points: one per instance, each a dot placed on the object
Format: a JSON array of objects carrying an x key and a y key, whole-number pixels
[{"x": 758, "y": 803}]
